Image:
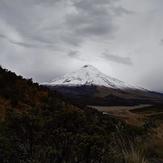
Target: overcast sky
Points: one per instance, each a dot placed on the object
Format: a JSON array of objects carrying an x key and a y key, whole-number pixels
[{"x": 43, "y": 39}]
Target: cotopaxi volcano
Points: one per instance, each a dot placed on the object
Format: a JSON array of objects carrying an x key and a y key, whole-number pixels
[{"x": 89, "y": 86}]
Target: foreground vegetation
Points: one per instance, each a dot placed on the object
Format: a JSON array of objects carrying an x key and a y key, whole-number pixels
[{"x": 40, "y": 126}]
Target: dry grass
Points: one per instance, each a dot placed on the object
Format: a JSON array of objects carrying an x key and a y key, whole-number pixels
[
  {"x": 133, "y": 151},
  {"x": 134, "y": 155}
]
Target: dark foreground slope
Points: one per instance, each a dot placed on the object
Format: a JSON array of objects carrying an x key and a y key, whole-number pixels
[{"x": 39, "y": 126}]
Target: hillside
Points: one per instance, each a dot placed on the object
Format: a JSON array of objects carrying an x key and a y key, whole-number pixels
[{"x": 39, "y": 126}]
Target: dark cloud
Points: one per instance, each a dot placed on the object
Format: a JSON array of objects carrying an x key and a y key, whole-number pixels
[
  {"x": 16, "y": 42},
  {"x": 2, "y": 36},
  {"x": 60, "y": 22},
  {"x": 73, "y": 54},
  {"x": 26, "y": 45},
  {"x": 93, "y": 18},
  {"x": 117, "y": 59}
]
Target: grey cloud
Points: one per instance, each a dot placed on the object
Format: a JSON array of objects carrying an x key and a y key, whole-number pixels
[
  {"x": 73, "y": 54},
  {"x": 36, "y": 45},
  {"x": 153, "y": 81},
  {"x": 27, "y": 45},
  {"x": 93, "y": 18},
  {"x": 24, "y": 44},
  {"x": 161, "y": 41},
  {"x": 23, "y": 18},
  {"x": 71, "y": 39},
  {"x": 2, "y": 36},
  {"x": 117, "y": 58}
]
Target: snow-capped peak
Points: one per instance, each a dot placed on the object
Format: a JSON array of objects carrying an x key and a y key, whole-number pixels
[{"x": 88, "y": 75}]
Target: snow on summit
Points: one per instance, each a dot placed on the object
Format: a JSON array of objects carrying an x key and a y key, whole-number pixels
[{"x": 87, "y": 75}]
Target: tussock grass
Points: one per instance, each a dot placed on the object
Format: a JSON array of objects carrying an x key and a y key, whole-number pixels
[
  {"x": 132, "y": 151},
  {"x": 133, "y": 155}
]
